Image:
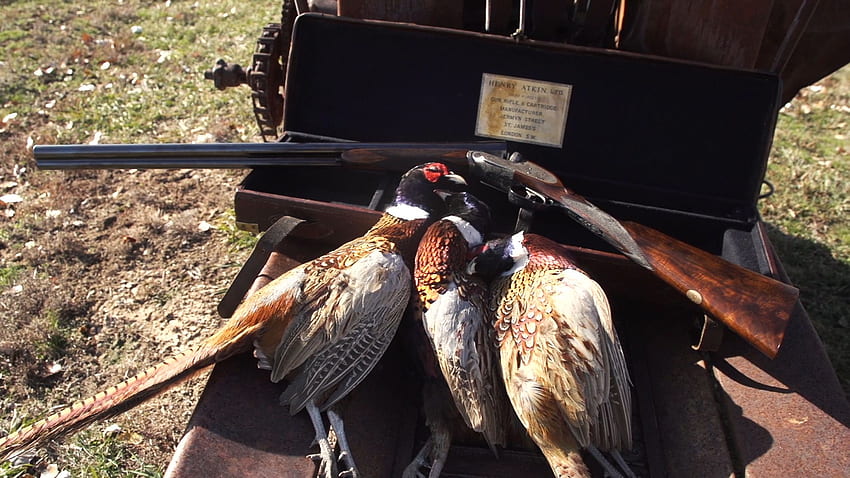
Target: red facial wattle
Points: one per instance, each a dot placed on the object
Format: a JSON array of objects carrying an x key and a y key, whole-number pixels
[{"x": 435, "y": 171}]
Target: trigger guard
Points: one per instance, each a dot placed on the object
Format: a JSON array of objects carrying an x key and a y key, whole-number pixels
[{"x": 525, "y": 198}]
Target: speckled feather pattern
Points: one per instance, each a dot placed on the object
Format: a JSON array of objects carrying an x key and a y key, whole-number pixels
[
  {"x": 561, "y": 359},
  {"x": 330, "y": 320},
  {"x": 327, "y": 322},
  {"x": 456, "y": 321},
  {"x": 440, "y": 258}
]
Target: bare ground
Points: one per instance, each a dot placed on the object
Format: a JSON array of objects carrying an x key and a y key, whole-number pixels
[{"x": 118, "y": 270}]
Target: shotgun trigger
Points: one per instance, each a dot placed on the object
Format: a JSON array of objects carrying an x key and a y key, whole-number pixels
[{"x": 527, "y": 198}]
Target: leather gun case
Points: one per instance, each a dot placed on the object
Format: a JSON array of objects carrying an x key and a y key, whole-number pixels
[{"x": 679, "y": 146}]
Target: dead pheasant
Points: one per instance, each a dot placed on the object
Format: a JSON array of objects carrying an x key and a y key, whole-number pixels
[
  {"x": 322, "y": 325},
  {"x": 561, "y": 360},
  {"x": 452, "y": 310}
]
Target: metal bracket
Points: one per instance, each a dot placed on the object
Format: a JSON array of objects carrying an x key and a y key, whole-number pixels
[
  {"x": 524, "y": 217},
  {"x": 711, "y": 335},
  {"x": 224, "y": 75},
  {"x": 274, "y": 235}
]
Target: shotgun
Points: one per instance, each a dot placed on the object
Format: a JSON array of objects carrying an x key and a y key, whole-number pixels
[
  {"x": 752, "y": 305},
  {"x": 248, "y": 155}
]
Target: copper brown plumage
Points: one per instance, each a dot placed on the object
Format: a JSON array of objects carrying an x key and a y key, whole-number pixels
[
  {"x": 322, "y": 325},
  {"x": 453, "y": 313},
  {"x": 561, "y": 360}
]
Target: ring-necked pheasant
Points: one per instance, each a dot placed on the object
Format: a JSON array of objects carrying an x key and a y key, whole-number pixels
[
  {"x": 561, "y": 360},
  {"x": 452, "y": 309},
  {"x": 322, "y": 325}
]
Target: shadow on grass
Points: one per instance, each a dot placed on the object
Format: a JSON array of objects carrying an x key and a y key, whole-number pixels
[{"x": 824, "y": 284}]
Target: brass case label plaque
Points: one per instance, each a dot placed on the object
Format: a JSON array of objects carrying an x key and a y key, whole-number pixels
[{"x": 518, "y": 109}]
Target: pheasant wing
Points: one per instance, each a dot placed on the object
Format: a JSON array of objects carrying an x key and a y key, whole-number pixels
[
  {"x": 343, "y": 330},
  {"x": 458, "y": 327}
]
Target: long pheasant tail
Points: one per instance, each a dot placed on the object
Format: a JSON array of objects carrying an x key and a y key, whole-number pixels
[{"x": 122, "y": 397}]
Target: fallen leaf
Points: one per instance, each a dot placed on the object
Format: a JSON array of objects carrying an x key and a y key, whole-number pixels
[
  {"x": 52, "y": 369},
  {"x": 112, "y": 430},
  {"x": 7, "y": 199},
  {"x": 7, "y": 120},
  {"x": 204, "y": 138},
  {"x": 131, "y": 438},
  {"x": 86, "y": 87},
  {"x": 52, "y": 471},
  {"x": 164, "y": 55}
]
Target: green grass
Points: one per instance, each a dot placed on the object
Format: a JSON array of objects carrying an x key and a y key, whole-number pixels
[
  {"x": 145, "y": 86},
  {"x": 73, "y": 72},
  {"x": 8, "y": 470},
  {"x": 105, "y": 456},
  {"x": 810, "y": 167},
  {"x": 238, "y": 239},
  {"x": 9, "y": 274}
]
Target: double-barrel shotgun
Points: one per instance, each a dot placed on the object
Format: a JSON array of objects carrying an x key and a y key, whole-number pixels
[{"x": 754, "y": 306}]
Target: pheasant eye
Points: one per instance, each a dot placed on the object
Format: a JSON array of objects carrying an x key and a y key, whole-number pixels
[{"x": 434, "y": 171}]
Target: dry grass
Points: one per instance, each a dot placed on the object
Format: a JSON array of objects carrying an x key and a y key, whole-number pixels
[
  {"x": 105, "y": 272},
  {"x": 810, "y": 167}
]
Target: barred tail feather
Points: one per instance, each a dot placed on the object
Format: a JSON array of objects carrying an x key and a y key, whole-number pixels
[{"x": 119, "y": 398}]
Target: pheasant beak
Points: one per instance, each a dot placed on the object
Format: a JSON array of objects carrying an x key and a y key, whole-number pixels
[{"x": 454, "y": 179}]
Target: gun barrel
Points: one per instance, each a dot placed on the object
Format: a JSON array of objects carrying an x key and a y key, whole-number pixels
[{"x": 227, "y": 155}]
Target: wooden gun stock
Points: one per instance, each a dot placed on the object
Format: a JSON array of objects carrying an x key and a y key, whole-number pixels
[{"x": 752, "y": 305}]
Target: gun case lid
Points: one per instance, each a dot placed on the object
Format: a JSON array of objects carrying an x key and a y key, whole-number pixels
[{"x": 640, "y": 131}]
